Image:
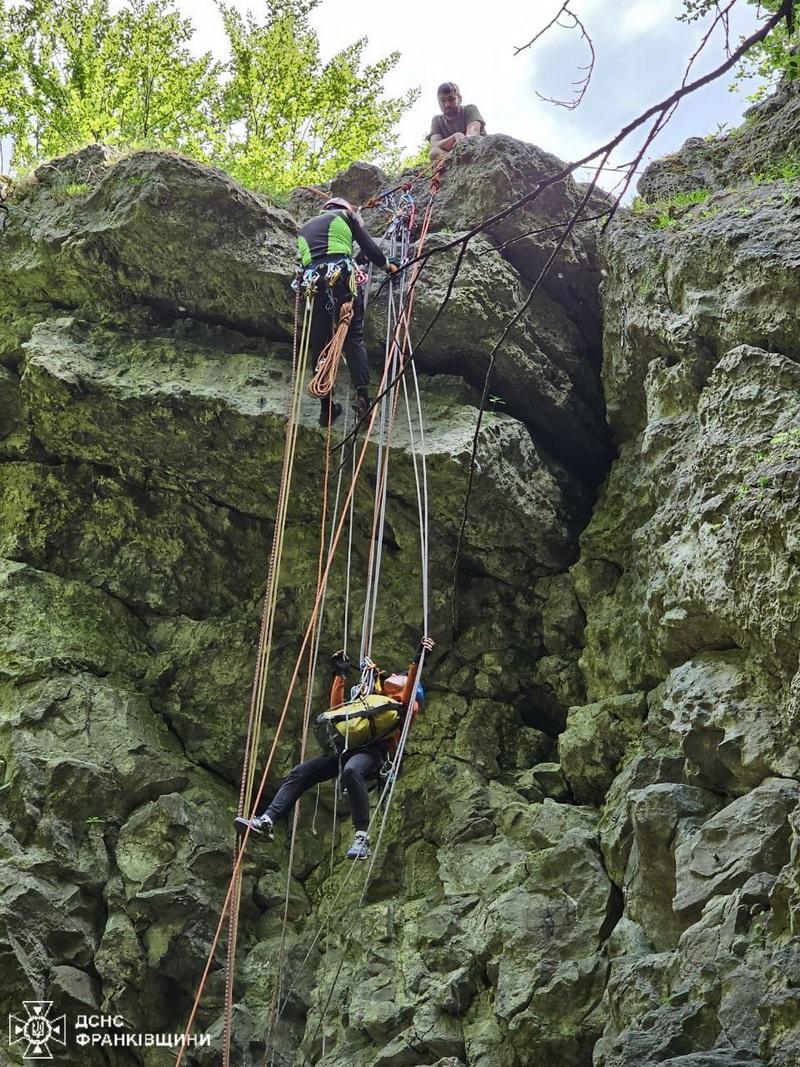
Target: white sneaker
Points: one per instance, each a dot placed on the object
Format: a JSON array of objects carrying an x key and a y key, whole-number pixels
[{"x": 359, "y": 850}]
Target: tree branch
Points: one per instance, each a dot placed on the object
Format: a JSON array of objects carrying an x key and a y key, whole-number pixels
[
  {"x": 581, "y": 84},
  {"x": 553, "y": 21}
]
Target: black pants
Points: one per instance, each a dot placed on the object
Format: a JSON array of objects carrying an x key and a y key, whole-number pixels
[
  {"x": 325, "y": 315},
  {"x": 358, "y": 766}
]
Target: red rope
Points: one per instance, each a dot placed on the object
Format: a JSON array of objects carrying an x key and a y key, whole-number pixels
[{"x": 310, "y": 629}]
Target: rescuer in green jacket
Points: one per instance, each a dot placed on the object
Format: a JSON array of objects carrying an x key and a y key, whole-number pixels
[{"x": 325, "y": 244}]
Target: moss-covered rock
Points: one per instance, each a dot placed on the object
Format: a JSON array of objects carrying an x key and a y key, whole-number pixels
[
  {"x": 139, "y": 232},
  {"x": 591, "y": 852}
]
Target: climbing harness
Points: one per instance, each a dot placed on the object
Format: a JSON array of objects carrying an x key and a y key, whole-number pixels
[
  {"x": 393, "y": 382},
  {"x": 326, "y": 277}
]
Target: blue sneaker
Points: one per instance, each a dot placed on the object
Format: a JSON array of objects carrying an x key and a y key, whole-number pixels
[
  {"x": 259, "y": 824},
  {"x": 359, "y": 850}
]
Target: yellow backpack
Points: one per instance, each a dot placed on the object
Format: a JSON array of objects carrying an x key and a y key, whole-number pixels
[{"x": 357, "y": 723}]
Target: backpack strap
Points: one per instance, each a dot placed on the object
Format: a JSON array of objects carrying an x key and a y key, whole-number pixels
[{"x": 364, "y": 712}]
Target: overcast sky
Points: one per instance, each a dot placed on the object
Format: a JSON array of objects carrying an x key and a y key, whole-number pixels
[{"x": 641, "y": 53}]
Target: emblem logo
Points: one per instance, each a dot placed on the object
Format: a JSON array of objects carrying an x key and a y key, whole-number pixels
[{"x": 38, "y": 1031}]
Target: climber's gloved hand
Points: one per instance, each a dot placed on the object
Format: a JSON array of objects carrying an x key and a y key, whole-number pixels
[
  {"x": 340, "y": 663},
  {"x": 393, "y": 265},
  {"x": 425, "y": 645}
]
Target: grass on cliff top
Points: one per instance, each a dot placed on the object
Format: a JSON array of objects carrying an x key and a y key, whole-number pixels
[
  {"x": 661, "y": 214},
  {"x": 664, "y": 213},
  {"x": 785, "y": 169}
]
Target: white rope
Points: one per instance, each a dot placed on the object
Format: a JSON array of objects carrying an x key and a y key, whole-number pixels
[
  {"x": 370, "y": 600},
  {"x": 422, "y": 489},
  {"x": 349, "y": 565},
  {"x": 387, "y": 794},
  {"x": 307, "y": 711},
  {"x": 395, "y": 312},
  {"x": 422, "y": 506},
  {"x": 399, "y": 245}
]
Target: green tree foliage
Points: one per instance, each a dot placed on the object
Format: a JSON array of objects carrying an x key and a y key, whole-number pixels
[
  {"x": 78, "y": 74},
  {"x": 419, "y": 158},
  {"x": 274, "y": 116},
  {"x": 775, "y": 57},
  {"x": 286, "y": 117}
]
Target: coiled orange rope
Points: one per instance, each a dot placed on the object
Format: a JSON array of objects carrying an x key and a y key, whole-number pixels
[{"x": 321, "y": 385}]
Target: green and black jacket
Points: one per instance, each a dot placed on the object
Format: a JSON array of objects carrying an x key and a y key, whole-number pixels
[{"x": 331, "y": 235}]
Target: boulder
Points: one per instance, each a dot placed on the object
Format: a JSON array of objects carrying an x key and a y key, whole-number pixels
[
  {"x": 749, "y": 836},
  {"x": 595, "y": 741},
  {"x": 136, "y": 229}
]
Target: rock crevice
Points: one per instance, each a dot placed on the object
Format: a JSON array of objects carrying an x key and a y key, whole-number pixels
[{"x": 592, "y": 854}]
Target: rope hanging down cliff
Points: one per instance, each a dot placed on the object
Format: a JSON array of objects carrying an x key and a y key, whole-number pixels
[
  {"x": 400, "y": 238},
  {"x": 399, "y": 232},
  {"x": 401, "y": 339}
]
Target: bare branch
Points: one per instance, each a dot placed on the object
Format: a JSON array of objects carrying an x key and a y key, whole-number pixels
[
  {"x": 541, "y": 33},
  {"x": 721, "y": 18},
  {"x": 667, "y": 112},
  {"x": 581, "y": 84},
  {"x": 726, "y": 25},
  {"x": 605, "y": 150},
  {"x": 541, "y": 230}
]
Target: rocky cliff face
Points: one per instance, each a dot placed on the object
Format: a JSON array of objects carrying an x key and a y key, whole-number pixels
[
  {"x": 688, "y": 577},
  {"x": 593, "y": 851}
]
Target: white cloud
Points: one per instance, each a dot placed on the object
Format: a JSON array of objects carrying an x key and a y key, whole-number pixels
[{"x": 644, "y": 16}]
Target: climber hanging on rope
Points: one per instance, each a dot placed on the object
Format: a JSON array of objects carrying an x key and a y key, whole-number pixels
[
  {"x": 361, "y": 736},
  {"x": 328, "y": 275}
]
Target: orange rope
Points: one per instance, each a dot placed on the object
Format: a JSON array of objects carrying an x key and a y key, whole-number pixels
[
  {"x": 317, "y": 192},
  {"x": 235, "y": 883},
  {"x": 279, "y": 727},
  {"x": 321, "y": 588},
  {"x": 262, "y": 666},
  {"x": 423, "y": 172},
  {"x": 321, "y": 385}
]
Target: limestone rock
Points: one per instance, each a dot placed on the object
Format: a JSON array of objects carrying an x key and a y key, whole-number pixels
[
  {"x": 769, "y": 135},
  {"x": 619, "y": 885},
  {"x": 686, "y": 578},
  {"x": 749, "y": 836},
  {"x": 711, "y": 488},
  {"x": 138, "y": 232},
  {"x": 711, "y": 282},
  {"x": 662, "y": 817},
  {"x": 483, "y": 177},
  {"x": 724, "y": 718},
  {"x": 595, "y": 741},
  {"x": 542, "y": 373},
  {"x": 356, "y": 184},
  {"x": 48, "y": 624}
]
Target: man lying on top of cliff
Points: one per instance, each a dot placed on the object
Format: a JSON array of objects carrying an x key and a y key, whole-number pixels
[
  {"x": 325, "y": 245},
  {"x": 455, "y": 122},
  {"x": 361, "y": 735}
]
